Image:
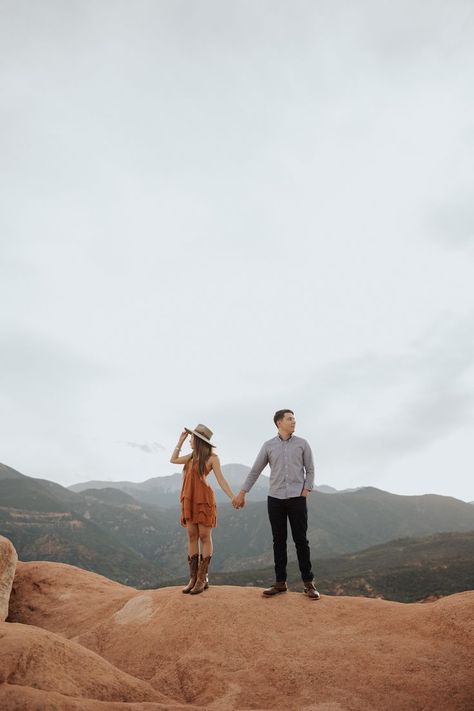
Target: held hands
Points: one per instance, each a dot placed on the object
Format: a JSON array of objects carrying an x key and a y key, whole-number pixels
[
  {"x": 238, "y": 502},
  {"x": 305, "y": 493}
]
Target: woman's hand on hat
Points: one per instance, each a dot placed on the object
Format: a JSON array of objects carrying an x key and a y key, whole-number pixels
[{"x": 182, "y": 437}]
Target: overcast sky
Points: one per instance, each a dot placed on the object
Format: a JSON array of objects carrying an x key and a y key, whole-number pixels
[{"x": 212, "y": 210}]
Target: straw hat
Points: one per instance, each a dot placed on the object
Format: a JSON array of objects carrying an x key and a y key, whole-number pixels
[{"x": 202, "y": 432}]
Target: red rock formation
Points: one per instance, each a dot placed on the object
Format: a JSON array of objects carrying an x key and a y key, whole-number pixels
[
  {"x": 228, "y": 648},
  {"x": 30, "y": 656},
  {"x": 8, "y": 559}
]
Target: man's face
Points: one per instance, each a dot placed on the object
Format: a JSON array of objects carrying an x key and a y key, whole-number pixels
[{"x": 288, "y": 424}]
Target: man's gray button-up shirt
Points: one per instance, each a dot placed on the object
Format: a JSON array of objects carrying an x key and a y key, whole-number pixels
[{"x": 291, "y": 467}]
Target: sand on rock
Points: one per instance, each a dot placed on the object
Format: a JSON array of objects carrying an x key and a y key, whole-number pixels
[
  {"x": 8, "y": 561},
  {"x": 230, "y": 648}
]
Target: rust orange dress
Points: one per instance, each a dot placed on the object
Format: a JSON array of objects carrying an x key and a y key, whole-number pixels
[{"x": 198, "y": 502}]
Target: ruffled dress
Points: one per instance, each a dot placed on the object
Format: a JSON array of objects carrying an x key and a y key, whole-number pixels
[{"x": 198, "y": 502}]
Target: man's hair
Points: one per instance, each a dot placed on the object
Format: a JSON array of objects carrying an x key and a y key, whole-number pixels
[{"x": 279, "y": 415}]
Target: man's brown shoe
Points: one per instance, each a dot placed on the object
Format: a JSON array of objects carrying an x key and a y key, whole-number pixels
[
  {"x": 275, "y": 589},
  {"x": 310, "y": 590}
]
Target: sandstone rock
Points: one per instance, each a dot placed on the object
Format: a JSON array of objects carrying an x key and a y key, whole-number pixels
[
  {"x": 8, "y": 559},
  {"x": 230, "y": 648},
  {"x": 64, "y": 595},
  {"x": 30, "y": 656},
  {"x": 22, "y": 698}
]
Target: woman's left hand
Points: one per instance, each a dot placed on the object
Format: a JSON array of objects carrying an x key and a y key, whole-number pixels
[{"x": 182, "y": 437}]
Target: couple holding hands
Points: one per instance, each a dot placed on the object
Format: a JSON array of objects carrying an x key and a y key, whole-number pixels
[{"x": 291, "y": 481}]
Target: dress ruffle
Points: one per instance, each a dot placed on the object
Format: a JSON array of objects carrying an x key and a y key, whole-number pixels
[{"x": 198, "y": 502}]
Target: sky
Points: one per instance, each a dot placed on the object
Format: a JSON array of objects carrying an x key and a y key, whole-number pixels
[{"x": 213, "y": 210}]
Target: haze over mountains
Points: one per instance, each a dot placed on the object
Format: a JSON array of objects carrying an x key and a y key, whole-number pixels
[
  {"x": 109, "y": 531},
  {"x": 164, "y": 490}
]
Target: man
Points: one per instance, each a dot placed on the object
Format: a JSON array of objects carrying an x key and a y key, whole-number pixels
[{"x": 291, "y": 482}]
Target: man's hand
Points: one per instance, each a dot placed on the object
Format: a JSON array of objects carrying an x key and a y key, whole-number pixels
[
  {"x": 238, "y": 502},
  {"x": 305, "y": 493}
]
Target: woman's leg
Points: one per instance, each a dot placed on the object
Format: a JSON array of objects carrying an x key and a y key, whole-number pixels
[
  {"x": 193, "y": 538},
  {"x": 193, "y": 555},
  {"x": 205, "y": 539}
]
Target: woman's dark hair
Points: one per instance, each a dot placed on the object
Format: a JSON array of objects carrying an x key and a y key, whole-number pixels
[
  {"x": 202, "y": 452},
  {"x": 279, "y": 415}
]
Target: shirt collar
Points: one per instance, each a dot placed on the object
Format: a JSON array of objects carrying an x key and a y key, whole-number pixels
[{"x": 284, "y": 440}]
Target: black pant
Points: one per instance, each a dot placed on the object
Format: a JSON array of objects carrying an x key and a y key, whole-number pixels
[{"x": 296, "y": 510}]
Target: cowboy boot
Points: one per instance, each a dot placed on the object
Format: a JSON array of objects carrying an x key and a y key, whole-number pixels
[
  {"x": 201, "y": 576},
  {"x": 193, "y": 568},
  {"x": 206, "y": 584}
]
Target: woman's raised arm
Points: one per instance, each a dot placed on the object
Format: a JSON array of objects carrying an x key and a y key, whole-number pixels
[{"x": 175, "y": 458}]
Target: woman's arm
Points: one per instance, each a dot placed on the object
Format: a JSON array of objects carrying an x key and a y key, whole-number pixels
[
  {"x": 221, "y": 480},
  {"x": 175, "y": 458}
]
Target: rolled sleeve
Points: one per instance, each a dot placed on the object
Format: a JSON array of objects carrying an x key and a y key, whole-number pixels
[
  {"x": 309, "y": 467},
  {"x": 258, "y": 467}
]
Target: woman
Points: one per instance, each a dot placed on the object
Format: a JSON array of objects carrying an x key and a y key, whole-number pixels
[{"x": 198, "y": 503}]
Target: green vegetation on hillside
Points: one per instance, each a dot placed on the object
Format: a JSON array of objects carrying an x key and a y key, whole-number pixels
[
  {"x": 405, "y": 570},
  {"x": 109, "y": 532}
]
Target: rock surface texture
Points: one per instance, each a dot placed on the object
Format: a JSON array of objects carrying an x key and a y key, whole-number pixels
[
  {"x": 75, "y": 641},
  {"x": 8, "y": 560}
]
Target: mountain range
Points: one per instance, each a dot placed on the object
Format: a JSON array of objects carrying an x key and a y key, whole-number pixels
[
  {"x": 406, "y": 570},
  {"x": 164, "y": 491},
  {"x": 109, "y": 531}
]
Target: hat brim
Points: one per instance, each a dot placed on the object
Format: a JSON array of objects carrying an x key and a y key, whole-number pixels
[{"x": 198, "y": 434}]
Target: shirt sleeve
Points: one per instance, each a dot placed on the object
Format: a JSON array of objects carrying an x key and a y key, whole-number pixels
[
  {"x": 309, "y": 467},
  {"x": 258, "y": 467}
]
